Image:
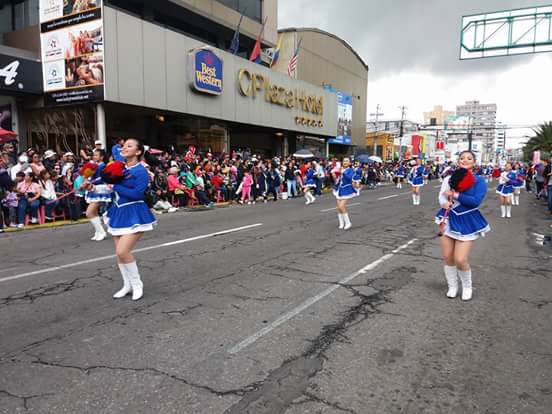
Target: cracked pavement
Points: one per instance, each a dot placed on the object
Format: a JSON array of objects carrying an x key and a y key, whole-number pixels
[{"x": 388, "y": 341}]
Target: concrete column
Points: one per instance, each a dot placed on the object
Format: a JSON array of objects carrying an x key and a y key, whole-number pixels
[
  {"x": 286, "y": 146},
  {"x": 327, "y": 148},
  {"x": 100, "y": 125}
]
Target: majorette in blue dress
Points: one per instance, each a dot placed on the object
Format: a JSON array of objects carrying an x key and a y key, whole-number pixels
[
  {"x": 519, "y": 181},
  {"x": 416, "y": 176},
  {"x": 506, "y": 183},
  {"x": 400, "y": 172},
  {"x": 101, "y": 193},
  {"x": 129, "y": 213},
  {"x": 464, "y": 222},
  {"x": 309, "y": 178},
  {"x": 344, "y": 189}
]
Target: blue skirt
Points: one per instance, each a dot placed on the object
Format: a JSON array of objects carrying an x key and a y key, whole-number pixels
[
  {"x": 464, "y": 226},
  {"x": 416, "y": 182},
  {"x": 505, "y": 190},
  {"x": 128, "y": 218},
  {"x": 345, "y": 193}
]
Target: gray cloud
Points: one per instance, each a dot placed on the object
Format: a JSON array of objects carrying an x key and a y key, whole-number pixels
[{"x": 396, "y": 36}]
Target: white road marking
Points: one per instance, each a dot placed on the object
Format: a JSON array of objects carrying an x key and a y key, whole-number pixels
[
  {"x": 391, "y": 196},
  {"x": 332, "y": 209},
  {"x": 309, "y": 302},
  {"x": 437, "y": 186},
  {"x": 143, "y": 249}
]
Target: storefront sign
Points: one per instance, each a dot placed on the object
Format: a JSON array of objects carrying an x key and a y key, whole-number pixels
[
  {"x": 20, "y": 75},
  {"x": 72, "y": 44},
  {"x": 206, "y": 67},
  {"x": 250, "y": 84}
]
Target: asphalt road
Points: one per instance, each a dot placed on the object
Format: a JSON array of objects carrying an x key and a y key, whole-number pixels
[{"x": 271, "y": 309}]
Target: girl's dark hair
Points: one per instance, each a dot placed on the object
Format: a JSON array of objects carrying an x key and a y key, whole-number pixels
[
  {"x": 102, "y": 154},
  {"x": 140, "y": 146},
  {"x": 469, "y": 151}
]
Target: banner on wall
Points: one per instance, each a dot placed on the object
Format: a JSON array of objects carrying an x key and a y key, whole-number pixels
[
  {"x": 72, "y": 49},
  {"x": 344, "y": 134}
]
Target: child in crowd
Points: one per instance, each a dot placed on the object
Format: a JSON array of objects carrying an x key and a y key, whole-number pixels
[
  {"x": 9, "y": 203},
  {"x": 246, "y": 185}
]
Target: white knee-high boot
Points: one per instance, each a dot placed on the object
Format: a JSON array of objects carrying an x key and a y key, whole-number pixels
[
  {"x": 414, "y": 198},
  {"x": 126, "y": 283},
  {"x": 347, "y": 221},
  {"x": 508, "y": 210},
  {"x": 99, "y": 234},
  {"x": 451, "y": 274},
  {"x": 341, "y": 220},
  {"x": 312, "y": 198},
  {"x": 503, "y": 211},
  {"x": 135, "y": 280},
  {"x": 466, "y": 279},
  {"x": 418, "y": 199}
]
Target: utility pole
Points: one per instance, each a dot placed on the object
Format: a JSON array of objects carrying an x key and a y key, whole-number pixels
[
  {"x": 403, "y": 115},
  {"x": 377, "y": 115},
  {"x": 470, "y": 133}
]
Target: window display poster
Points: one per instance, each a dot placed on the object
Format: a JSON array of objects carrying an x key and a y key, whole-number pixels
[{"x": 72, "y": 47}]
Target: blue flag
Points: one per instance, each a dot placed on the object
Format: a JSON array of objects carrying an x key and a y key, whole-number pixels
[{"x": 235, "y": 45}]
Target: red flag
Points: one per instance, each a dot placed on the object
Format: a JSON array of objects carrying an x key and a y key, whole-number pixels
[{"x": 256, "y": 52}]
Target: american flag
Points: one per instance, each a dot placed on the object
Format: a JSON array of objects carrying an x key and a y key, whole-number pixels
[{"x": 293, "y": 62}]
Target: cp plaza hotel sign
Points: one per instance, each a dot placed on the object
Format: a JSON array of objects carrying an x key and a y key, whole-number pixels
[{"x": 252, "y": 84}]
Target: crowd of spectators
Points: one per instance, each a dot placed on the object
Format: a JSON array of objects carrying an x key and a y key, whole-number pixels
[{"x": 38, "y": 187}]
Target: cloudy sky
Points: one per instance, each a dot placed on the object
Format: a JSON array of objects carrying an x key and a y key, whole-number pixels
[{"x": 412, "y": 49}]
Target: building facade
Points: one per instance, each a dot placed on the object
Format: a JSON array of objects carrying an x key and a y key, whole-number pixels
[
  {"x": 20, "y": 70},
  {"x": 384, "y": 142},
  {"x": 160, "y": 71},
  {"x": 438, "y": 116},
  {"x": 326, "y": 60}
]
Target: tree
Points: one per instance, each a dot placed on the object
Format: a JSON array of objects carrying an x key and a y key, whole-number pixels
[{"x": 542, "y": 141}]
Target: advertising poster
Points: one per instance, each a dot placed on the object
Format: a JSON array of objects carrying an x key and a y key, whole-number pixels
[
  {"x": 344, "y": 134},
  {"x": 72, "y": 45}
]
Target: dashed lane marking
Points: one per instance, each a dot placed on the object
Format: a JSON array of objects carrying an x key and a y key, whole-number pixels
[
  {"x": 309, "y": 302},
  {"x": 143, "y": 249},
  {"x": 333, "y": 208}
]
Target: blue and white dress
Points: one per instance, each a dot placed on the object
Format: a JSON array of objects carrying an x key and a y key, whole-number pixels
[
  {"x": 129, "y": 213},
  {"x": 519, "y": 182},
  {"x": 310, "y": 182},
  {"x": 400, "y": 172},
  {"x": 506, "y": 183},
  {"x": 101, "y": 193},
  {"x": 416, "y": 176},
  {"x": 344, "y": 189},
  {"x": 464, "y": 222}
]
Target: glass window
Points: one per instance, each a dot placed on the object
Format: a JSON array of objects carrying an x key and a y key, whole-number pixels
[
  {"x": 18, "y": 14},
  {"x": 250, "y": 8}
]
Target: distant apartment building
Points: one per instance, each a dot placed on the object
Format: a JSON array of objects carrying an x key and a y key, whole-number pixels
[
  {"x": 481, "y": 123},
  {"x": 438, "y": 116}
]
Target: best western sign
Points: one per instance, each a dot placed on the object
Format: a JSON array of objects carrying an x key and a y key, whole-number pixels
[
  {"x": 251, "y": 84},
  {"x": 206, "y": 69}
]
